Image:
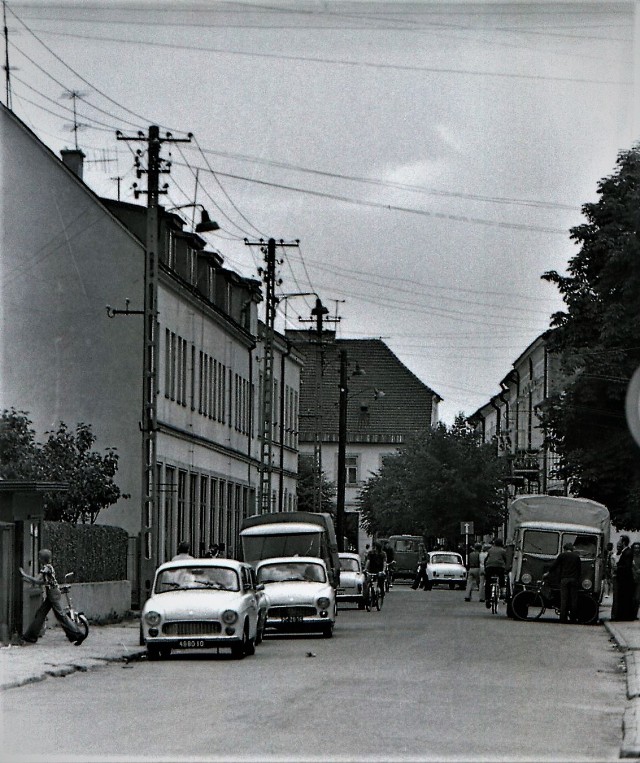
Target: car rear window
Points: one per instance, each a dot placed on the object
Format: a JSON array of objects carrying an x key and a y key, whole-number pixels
[
  {"x": 445, "y": 559},
  {"x": 192, "y": 578},
  {"x": 349, "y": 565},
  {"x": 292, "y": 572}
]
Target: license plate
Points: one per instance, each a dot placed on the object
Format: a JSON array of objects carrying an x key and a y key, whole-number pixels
[
  {"x": 296, "y": 619},
  {"x": 448, "y": 576},
  {"x": 192, "y": 643}
]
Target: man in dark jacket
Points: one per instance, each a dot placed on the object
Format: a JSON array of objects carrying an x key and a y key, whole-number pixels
[
  {"x": 567, "y": 567},
  {"x": 495, "y": 566}
]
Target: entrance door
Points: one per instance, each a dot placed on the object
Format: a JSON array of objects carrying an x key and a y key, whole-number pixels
[{"x": 7, "y": 578}]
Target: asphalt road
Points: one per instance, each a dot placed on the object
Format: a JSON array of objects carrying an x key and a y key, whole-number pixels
[{"x": 430, "y": 677}]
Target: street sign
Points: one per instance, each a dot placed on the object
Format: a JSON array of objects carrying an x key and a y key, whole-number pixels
[
  {"x": 632, "y": 405},
  {"x": 466, "y": 528}
]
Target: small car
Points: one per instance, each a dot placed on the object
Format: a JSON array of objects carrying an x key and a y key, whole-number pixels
[
  {"x": 202, "y": 604},
  {"x": 445, "y": 567},
  {"x": 351, "y": 586},
  {"x": 299, "y": 594}
]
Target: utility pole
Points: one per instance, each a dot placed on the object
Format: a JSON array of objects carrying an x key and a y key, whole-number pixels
[
  {"x": 318, "y": 316},
  {"x": 342, "y": 447},
  {"x": 7, "y": 68},
  {"x": 268, "y": 274},
  {"x": 156, "y": 166}
]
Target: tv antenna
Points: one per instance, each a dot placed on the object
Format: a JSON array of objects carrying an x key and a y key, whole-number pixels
[{"x": 75, "y": 95}]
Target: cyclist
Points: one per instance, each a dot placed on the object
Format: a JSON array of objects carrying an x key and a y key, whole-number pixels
[
  {"x": 375, "y": 564},
  {"x": 495, "y": 566}
]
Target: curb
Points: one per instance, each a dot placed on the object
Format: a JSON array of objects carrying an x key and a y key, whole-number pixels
[
  {"x": 65, "y": 669},
  {"x": 630, "y": 747}
]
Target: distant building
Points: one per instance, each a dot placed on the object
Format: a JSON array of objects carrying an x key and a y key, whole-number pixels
[
  {"x": 386, "y": 405},
  {"x": 511, "y": 420},
  {"x": 66, "y": 255}
]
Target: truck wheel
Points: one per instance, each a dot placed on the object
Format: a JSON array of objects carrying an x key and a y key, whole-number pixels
[
  {"x": 428, "y": 585},
  {"x": 588, "y": 610}
]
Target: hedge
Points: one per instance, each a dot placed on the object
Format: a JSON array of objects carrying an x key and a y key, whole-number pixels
[{"x": 94, "y": 553}]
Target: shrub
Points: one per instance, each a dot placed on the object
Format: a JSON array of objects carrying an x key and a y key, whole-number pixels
[{"x": 94, "y": 553}]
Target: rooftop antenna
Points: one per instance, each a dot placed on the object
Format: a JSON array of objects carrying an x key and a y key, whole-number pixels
[
  {"x": 7, "y": 68},
  {"x": 74, "y": 95}
]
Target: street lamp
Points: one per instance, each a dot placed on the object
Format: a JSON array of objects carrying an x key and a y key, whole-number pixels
[
  {"x": 206, "y": 224},
  {"x": 342, "y": 441}
]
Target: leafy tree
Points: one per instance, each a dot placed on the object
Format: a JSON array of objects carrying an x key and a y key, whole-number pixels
[
  {"x": 596, "y": 339},
  {"x": 66, "y": 456},
  {"x": 445, "y": 476},
  {"x": 306, "y": 487}
]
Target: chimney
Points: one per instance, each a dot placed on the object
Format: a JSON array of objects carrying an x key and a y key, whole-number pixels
[{"x": 73, "y": 157}]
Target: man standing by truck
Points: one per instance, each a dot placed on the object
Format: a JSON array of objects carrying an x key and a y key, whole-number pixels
[{"x": 567, "y": 565}]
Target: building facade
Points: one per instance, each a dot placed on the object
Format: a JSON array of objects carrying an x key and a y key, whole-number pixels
[
  {"x": 386, "y": 405},
  {"x": 66, "y": 256},
  {"x": 511, "y": 420}
]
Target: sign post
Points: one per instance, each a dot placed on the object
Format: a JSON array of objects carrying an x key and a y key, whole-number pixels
[{"x": 466, "y": 529}]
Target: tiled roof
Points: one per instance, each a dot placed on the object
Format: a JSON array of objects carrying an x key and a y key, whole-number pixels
[{"x": 405, "y": 407}]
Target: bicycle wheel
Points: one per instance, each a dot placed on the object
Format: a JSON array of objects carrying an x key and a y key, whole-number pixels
[
  {"x": 381, "y": 596},
  {"x": 494, "y": 601},
  {"x": 83, "y": 624},
  {"x": 367, "y": 601},
  {"x": 528, "y": 605},
  {"x": 377, "y": 600}
]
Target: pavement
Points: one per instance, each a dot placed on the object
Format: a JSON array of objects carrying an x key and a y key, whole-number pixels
[{"x": 53, "y": 656}]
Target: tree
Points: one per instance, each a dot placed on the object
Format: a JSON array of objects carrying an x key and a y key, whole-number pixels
[
  {"x": 596, "y": 340},
  {"x": 445, "y": 476},
  {"x": 65, "y": 456},
  {"x": 306, "y": 487}
]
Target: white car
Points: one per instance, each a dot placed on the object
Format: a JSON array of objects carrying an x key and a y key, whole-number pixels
[
  {"x": 351, "y": 587},
  {"x": 299, "y": 594},
  {"x": 202, "y": 604},
  {"x": 445, "y": 567}
]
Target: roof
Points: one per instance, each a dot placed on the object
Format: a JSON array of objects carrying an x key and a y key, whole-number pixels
[{"x": 405, "y": 406}]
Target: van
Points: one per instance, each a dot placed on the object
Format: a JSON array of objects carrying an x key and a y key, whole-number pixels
[
  {"x": 291, "y": 533},
  {"x": 408, "y": 552}
]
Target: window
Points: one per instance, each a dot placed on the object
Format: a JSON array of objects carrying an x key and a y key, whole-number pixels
[
  {"x": 541, "y": 542},
  {"x": 182, "y": 498},
  {"x": 193, "y": 494},
  {"x": 585, "y": 546},
  {"x": 204, "y": 495},
  {"x": 351, "y": 466}
]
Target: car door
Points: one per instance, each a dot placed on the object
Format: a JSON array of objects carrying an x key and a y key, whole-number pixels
[{"x": 250, "y": 599}]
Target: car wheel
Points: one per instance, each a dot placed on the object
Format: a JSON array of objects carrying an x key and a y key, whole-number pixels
[
  {"x": 155, "y": 652},
  {"x": 327, "y": 631},
  {"x": 141, "y": 642},
  {"x": 361, "y": 605},
  {"x": 250, "y": 648},
  {"x": 452, "y": 586},
  {"x": 428, "y": 585},
  {"x": 239, "y": 649},
  {"x": 260, "y": 629}
]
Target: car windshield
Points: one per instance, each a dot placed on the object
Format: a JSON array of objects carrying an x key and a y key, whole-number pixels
[
  {"x": 406, "y": 544},
  {"x": 292, "y": 571},
  {"x": 585, "y": 545},
  {"x": 349, "y": 565},
  {"x": 541, "y": 542},
  {"x": 445, "y": 559},
  {"x": 190, "y": 578}
]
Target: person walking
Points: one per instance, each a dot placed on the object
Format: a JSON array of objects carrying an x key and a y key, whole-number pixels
[
  {"x": 609, "y": 567},
  {"x": 483, "y": 556},
  {"x": 495, "y": 566},
  {"x": 473, "y": 571},
  {"x": 623, "y": 583},
  {"x": 184, "y": 551},
  {"x": 567, "y": 567},
  {"x": 52, "y": 601}
]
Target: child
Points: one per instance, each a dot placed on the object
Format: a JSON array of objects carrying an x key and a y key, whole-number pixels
[{"x": 52, "y": 600}]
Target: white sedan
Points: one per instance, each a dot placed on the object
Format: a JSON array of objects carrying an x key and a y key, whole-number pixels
[
  {"x": 299, "y": 594},
  {"x": 445, "y": 567},
  {"x": 202, "y": 604},
  {"x": 352, "y": 578}
]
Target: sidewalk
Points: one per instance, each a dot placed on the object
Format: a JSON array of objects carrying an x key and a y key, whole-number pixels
[{"x": 53, "y": 655}]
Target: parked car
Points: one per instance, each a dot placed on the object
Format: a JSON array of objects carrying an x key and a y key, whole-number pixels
[
  {"x": 351, "y": 588},
  {"x": 299, "y": 594},
  {"x": 203, "y": 604},
  {"x": 445, "y": 567}
]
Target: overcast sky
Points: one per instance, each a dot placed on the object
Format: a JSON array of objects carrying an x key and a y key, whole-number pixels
[{"x": 431, "y": 157}]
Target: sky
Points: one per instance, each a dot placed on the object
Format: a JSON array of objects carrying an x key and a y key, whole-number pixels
[{"x": 430, "y": 157}]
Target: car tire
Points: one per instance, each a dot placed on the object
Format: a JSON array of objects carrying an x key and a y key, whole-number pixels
[
  {"x": 327, "y": 631},
  {"x": 452, "y": 586},
  {"x": 141, "y": 641},
  {"x": 251, "y": 647},
  {"x": 260, "y": 630},
  {"x": 428, "y": 585}
]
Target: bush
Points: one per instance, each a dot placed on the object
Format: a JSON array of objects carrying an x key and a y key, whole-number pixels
[{"x": 94, "y": 553}]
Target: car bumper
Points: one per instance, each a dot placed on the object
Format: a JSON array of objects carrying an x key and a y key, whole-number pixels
[
  {"x": 193, "y": 642},
  {"x": 308, "y": 623}
]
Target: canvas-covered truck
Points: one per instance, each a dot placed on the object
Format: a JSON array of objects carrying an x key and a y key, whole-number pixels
[
  {"x": 291, "y": 533},
  {"x": 538, "y": 526}
]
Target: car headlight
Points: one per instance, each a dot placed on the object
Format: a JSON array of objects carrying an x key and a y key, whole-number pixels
[
  {"x": 587, "y": 584},
  {"x": 153, "y": 618},
  {"x": 323, "y": 602},
  {"x": 229, "y": 616},
  {"x": 526, "y": 578}
]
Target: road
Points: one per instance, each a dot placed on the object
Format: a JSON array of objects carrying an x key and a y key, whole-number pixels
[{"x": 430, "y": 677}]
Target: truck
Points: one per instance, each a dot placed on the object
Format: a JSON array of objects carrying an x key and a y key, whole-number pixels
[
  {"x": 538, "y": 526},
  {"x": 409, "y": 552},
  {"x": 291, "y": 533}
]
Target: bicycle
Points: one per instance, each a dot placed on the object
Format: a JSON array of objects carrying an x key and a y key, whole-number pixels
[
  {"x": 375, "y": 594},
  {"x": 70, "y": 611},
  {"x": 494, "y": 594}
]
